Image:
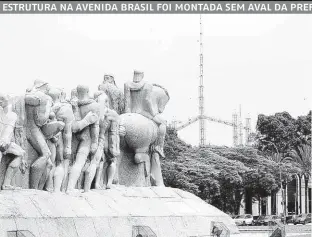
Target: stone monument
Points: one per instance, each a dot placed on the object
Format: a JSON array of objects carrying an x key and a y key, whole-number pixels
[
  {"x": 94, "y": 166},
  {"x": 88, "y": 137},
  {"x": 144, "y": 132},
  {"x": 8, "y": 148}
]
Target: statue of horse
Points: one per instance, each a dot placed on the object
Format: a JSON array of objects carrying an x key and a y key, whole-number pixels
[{"x": 139, "y": 163}]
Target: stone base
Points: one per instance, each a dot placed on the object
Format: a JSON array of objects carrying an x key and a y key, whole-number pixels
[{"x": 118, "y": 212}]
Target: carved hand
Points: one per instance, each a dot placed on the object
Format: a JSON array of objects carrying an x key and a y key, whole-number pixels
[
  {"x": 23, "y": 166},
  {"x": 94, "y": 147},
  {"x": 91, "y": 117},
  {"x": 54, "y": 139},
  {"x": 67, "y": 152},
  {"x": 4, "y": 144},
  {"x": 74, "y": 102}
]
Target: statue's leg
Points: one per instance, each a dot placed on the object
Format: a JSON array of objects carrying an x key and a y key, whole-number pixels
[
  {"x": 110, "y": 171},
  {"x": 49, "y": 182},
  {"x": 11, "y": 172},
  {"x": 66, "y": 169},
  {"x": 90, "y": 172},
  {"x": 59, "y": 170},
  {"x": 81, "y": 157},
  {"x": 156, "y": 175},
  {"x": 14, "y": 165},
  {"x": 98, "y": 175},
  {"x": 159, "y": 146},
  {"x": 113, "y": 153},
  {"x": 37, "y": 140},
  {"x": 68, "y": 161}
]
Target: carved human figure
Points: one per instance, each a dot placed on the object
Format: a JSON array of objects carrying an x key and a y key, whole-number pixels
[
  {"x": 60, "y": 145},
  {"x": 39, "y": 129},
  {"x": 148, "y": 100},
  {"x": 139, "y": 99},
  {"x": 7, "y": 147},
  {"x": 87, "y": 137},
  {"x": 116, "y": 97},
  {"x": 108, "y": 142}
]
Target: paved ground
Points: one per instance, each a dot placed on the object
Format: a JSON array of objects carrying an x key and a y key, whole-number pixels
[{"x": 265, "y": 231}]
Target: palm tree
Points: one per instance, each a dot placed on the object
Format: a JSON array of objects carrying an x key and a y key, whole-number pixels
[
  {"x": 277, "y": 158},
  {"x": 302, "y": 157}
]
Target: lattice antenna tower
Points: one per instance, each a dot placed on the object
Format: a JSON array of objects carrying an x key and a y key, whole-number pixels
[
  {"x": 235, "y": 129},
  {"x": 240, "y": 126},
  {"x": 247, "y": 130},
  {"x": 202, "y": 121}
]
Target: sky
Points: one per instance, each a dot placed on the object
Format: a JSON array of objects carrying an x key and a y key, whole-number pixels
[{"x": 261, "y": 62}]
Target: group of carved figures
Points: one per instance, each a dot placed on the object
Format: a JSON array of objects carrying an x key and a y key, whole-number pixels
[{"x": 85, "y": 135}]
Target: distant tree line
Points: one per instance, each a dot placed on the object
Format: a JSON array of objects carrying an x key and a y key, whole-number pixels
[{"x": 222, "y": 175}]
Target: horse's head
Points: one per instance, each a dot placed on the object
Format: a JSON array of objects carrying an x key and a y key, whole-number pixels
[{"x": 162, "y": 97}]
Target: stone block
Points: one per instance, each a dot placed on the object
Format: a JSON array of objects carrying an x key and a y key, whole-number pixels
[
  {"x": 108, "y": 213},
  {"x": 85, "y": 227}
]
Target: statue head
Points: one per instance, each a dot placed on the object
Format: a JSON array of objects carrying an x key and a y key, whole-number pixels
[
  {"x": 55, "y": 94},
  {"x": 40, "y": 85},
  {"x": 73, "y": 93},
  {"x": 4, "y": 100},
  {"x": 63, "y": 95},
  {"x": 108, "y": 78},
  {"x": 82, "y": 91},
  {"x": 138, "y": 76}
]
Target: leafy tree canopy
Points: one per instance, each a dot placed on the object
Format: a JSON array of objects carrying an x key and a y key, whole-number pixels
[
  {"x": 219, "y": 175},
  {"x": 281, "y": 132}
]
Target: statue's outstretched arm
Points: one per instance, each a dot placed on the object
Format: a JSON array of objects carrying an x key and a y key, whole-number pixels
[{"x": 90, "y": 118}]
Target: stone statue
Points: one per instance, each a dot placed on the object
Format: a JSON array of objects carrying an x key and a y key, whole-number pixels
[
  {"x": 56, "y": 173},
  {"x": 60, "y": 145},
  {"x": 148, "y": 130},
  {"x": 139, "y": 99},
  {"x": 87, "y": 137},
  {"x": 108, "y": 142},
  {"x": 8, "y": 148},
  {"x": 116, "y": 97},
  {"x": 39, "y": 129}
]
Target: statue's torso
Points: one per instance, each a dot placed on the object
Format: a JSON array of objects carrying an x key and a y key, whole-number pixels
[
  {"x": 88, "y": 106},
  {"x": 38, "y": 114},
  {"x": 63, "y": 112},
  {"x": 140, "y": 98}
]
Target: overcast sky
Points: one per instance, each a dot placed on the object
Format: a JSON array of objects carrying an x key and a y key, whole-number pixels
[{"x": 263, "y": 62}]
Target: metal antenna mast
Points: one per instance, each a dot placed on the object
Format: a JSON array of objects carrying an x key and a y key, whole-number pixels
[
  {"x": 202, "y": 121},
  {"x": 236, "y": 122},
  {"x": 240, "y": 126}
]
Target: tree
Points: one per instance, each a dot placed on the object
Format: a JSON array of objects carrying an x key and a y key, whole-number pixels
[
  {"x": 218, "y": 175},
  {"x": 302, "y": 157},
  {"x": 282, "y": 132},
  {"x": 279, "y": 129},
  {"x": 304, "y": 127}
]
